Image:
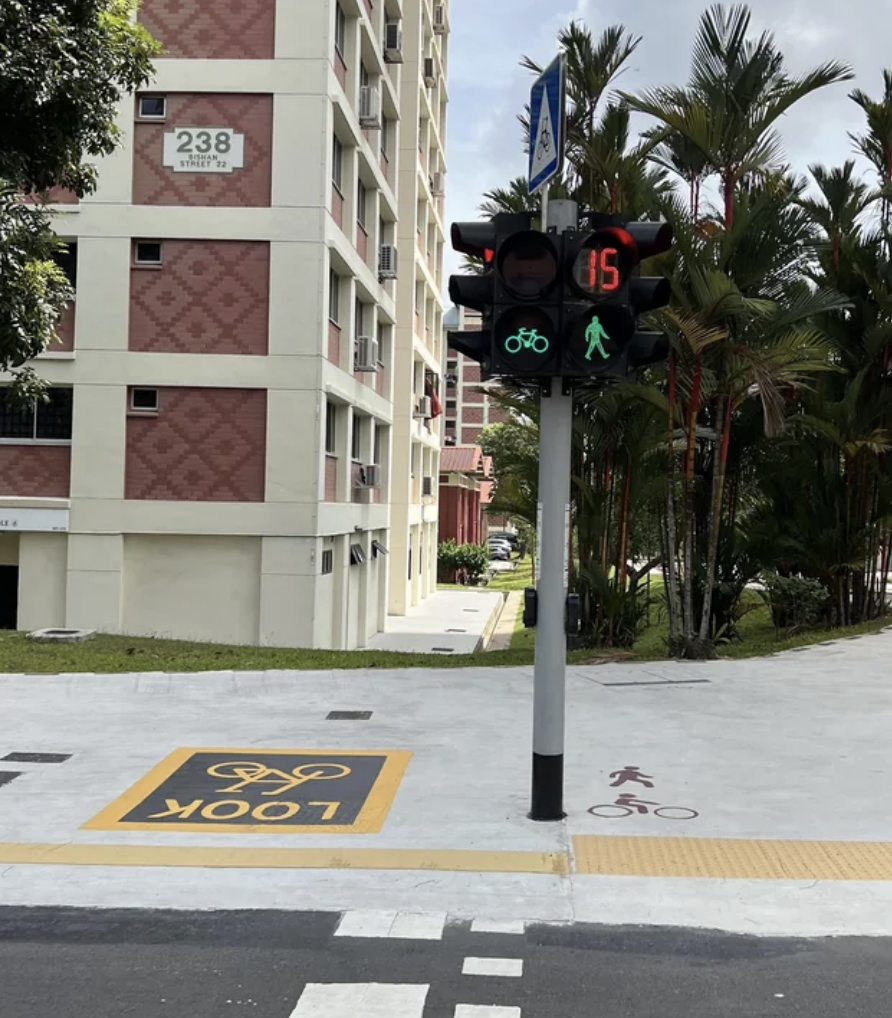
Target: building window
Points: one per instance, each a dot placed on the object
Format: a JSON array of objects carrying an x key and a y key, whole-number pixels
[
  {"x": 357, "y": 555},
  {"x": 340, "y": 30},
  {"x": 144, "y": 400},
  {"x": 361, "y": 196},
  {"x": 152, "y": 107},
  {"x": 379, "y": 549},
  {"x": 337, "y": 161},
  {"x": 385, "y": 128},
  {"x": 376, "y": 445},
  {"x": 451, "y": 407},
  {"x": 48, "y": 421},
  {"x": 358, "y": 318},
  {"x": 66, "y": 259},
  {"x": 364, "y": 79},
  {"x": 334, "y": 296},
  {"x": 356, "y": 438},
  {"x": 331, "y": 428},
  {"x": 147, "y": 252},
  {"x": 327, "y": 561}
]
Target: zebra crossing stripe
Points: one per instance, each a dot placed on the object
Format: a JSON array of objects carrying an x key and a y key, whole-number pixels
[{"x": 363, "y": 1000}]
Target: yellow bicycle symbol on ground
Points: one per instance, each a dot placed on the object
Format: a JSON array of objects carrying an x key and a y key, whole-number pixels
[{"x": 251, "y": 773}]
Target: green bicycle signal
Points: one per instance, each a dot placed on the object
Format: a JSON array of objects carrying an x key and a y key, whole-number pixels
[
  {"x": 527, "y": 339},
  {"x": 594, "y": 334}
]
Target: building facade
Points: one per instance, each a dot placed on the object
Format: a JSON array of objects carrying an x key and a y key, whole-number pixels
[{"x": 236, "y": 443}]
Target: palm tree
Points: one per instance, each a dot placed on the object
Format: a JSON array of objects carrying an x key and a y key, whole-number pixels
[{"x": 738, "y": 90}]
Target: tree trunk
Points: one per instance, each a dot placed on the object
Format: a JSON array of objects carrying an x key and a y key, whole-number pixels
[
  {"x": 720, "y": 460},
  {"x": 690, "y": 506},
  {"x": 671, "y": 532}
]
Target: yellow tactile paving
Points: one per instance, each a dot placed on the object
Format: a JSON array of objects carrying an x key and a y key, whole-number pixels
[
  {"x": 285, "y": 858},
  {"x": 733, "y": 859}
]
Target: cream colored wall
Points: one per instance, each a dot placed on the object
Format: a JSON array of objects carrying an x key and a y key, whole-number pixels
[
  {"x": 192, "y": 588},
  {"x": 43, "y": 562}
]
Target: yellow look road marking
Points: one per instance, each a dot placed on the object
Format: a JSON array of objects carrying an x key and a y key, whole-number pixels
[{"x": 732, "y": 859}]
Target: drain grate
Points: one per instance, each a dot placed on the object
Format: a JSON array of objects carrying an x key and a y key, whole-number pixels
[
  {"x": 7, "y": 776},
  {"x": 348, "y": 715},
  {"x": 456, "y": 630},
  {"x": 36, "y": 757},
  {"x": 658, "y": 682},
  {"x": 471, "y": 611},
  {"x": 443, "y": 650}
]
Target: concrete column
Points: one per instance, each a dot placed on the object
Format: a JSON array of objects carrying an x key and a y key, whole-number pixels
[
  {"x": 95, "y": 591},
  {"x": 287, "y": 591}
]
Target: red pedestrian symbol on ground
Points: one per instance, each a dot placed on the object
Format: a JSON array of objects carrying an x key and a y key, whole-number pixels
[{"x": 630, "y": 773}]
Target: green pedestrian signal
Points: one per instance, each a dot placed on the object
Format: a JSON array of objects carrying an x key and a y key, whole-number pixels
[
  {"x": 527, "y": 339},
  {"x": 594, "y": 334}
]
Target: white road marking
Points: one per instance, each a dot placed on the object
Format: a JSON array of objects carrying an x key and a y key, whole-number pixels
[
  {"x": 392, "y": 925},
  {"x": 498, "y": 926},
  {"x": 418, "y": 926},
  {"x": 486, "y": 1011},
  {"x": 493, "y": 967},
  {"x": 361, "y": 1000},
  {"x": 365, "y": 923}
]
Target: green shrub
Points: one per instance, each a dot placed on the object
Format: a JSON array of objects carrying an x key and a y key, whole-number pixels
[{"x": 795, "y": 602}]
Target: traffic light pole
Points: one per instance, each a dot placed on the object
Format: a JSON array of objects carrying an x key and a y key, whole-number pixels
[{"x": 555, "y": 443}]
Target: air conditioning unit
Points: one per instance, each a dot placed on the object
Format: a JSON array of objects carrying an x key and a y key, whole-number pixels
[
  {"x": 440, "y": 26},
  {"x": 370, "y": 107},
  {"x": 393, "y": 43},
  {"x": 430, "y": 75},
  {"x": 387, "y": 262},
  {"x": 422, "y": 408},
  {"x": 365, "y": 354},
  {"x": 372, "y": 475},
  {"x": 438, "y": 185}
]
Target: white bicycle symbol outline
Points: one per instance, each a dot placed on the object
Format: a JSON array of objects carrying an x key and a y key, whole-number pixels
[{"x": 626, "y": 811}]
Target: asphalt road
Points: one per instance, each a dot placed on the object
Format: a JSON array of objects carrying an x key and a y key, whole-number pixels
[{"x": 68, "y": 963}]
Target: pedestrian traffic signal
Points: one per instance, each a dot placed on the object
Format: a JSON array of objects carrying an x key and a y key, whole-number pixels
[
  {"x": 478, "y": 291},
  {"x": 560, "y": 304},
  {"x": 527, "y": 305}
]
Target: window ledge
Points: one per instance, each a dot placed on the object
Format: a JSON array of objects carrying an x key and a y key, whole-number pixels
[
  {"x": 56, "y": 355},
  {"x": 35, "y": 441}
]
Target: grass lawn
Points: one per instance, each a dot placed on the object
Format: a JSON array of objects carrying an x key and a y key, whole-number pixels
[
  {"x": 521, "y": 577},
  {"x": 757, "y": 635},
  {"x": 109, "y": 654}
]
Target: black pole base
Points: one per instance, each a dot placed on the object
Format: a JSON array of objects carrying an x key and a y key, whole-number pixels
[{"x": 548, "y": 788}]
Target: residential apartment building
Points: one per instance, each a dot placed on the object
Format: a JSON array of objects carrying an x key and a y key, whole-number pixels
[
  {"x": 237, "y": 441},
  {"x": 468, "y": 408}
]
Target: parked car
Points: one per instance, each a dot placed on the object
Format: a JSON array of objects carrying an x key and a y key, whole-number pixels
[
  {"x": 506, "y": 535},
  {"x": 499, "y": 550}
]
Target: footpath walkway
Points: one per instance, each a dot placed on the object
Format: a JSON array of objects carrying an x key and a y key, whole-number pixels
[
  {"x": 447, "y": 622},
  {"x": 741, "y": 795}
]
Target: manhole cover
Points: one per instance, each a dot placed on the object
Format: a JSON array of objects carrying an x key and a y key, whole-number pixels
[
  {"x": 348, "y": 715},
  {"x": 37, "y": 757}
]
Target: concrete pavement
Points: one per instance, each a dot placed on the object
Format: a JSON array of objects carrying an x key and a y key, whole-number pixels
[
  {"x": 447, "y": 622},
  {"x": 747, "y": 796}
]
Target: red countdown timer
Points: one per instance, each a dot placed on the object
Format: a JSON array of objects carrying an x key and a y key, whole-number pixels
[{"x": 602, "y": 264}]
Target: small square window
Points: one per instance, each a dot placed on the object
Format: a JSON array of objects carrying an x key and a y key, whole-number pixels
[
  {"x": 152, "y": 107},
  {"x": 145, "y": 400},
  {"x": 327, "y": 561},
  {"x": 147, "y": 252}
]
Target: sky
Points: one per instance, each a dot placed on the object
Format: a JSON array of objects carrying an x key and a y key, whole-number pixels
[{"x": 488, "y": 88}]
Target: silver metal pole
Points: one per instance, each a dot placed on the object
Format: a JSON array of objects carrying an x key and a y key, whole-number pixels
[{"x": 549, "y": 682}]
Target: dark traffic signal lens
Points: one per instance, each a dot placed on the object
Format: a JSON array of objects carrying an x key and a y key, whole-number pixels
[{"x": 528, "y": 264}]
